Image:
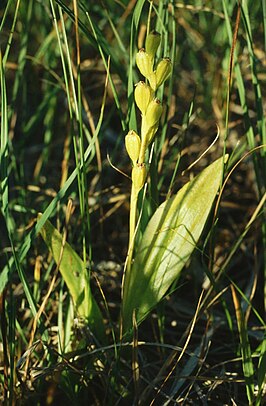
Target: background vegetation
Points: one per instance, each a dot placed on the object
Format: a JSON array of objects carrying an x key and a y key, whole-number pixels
[{"x": 67, "y": 74}]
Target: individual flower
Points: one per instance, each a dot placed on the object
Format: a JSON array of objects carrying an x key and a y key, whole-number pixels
[
  {"x": 132, "y": 142},
  {"x": 152, "y": 81},
  {"x": 152, "y": 43},
  {"x": 163, "y": 71},
  {"x": 144, "y": 63},
  {"x": 143, "y": 96},
  {"x": 139, "y": 173},
  {"x": 152, "y": 116}
]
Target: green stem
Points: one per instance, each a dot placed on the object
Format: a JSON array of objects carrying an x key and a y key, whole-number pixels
[
  {"x": 132, "y": 225},
  {"x": 132, "y": 228},
  {"x": 143, "y": 148}
]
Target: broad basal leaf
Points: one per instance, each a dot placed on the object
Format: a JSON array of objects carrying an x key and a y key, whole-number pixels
[
  {"x": 72, "y": 270},
  {"x": 168, "y": 242}
]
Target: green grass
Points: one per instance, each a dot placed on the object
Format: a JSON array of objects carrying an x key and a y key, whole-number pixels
[{"x": 67, "y": 75}]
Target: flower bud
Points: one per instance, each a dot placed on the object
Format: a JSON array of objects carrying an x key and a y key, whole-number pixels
[
  {"x": 152, "y": 43},
  {"x": 151, "y": 133},
  {"x": 153, "y": 112},
  {"x": 151, "y": 119},
  {"x": 132, "y": 142},
  {"x": 163, "y": 71},
  {"x": 152, "y": 81},
  {"x": 143, "y": 96},
  {"x": 144, "y": 63},
  {"x": 139, "y": 174}
]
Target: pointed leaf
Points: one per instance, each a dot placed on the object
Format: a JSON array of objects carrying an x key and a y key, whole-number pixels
[
  {"x": 168, "y": 242},
  {"x": 72, "y": 270}
]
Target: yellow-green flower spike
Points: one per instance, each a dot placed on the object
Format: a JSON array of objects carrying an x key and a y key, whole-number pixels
[
  {"x": 144, "y": 63},
  {"x": 132, "y": 142},
  {"x": 152, "y": 43},
  {"x": 143, "y": 96},
  {"x": 163, "y": 71},
  {"x": 139, "y": 173}
]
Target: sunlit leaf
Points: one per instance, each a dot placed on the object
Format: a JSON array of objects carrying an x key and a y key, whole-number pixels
[
  {"x": 168, "y": 242},
  {"x": 72, "y": 270}
]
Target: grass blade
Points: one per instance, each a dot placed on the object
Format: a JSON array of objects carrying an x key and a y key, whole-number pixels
[{"x": 244, "y": 348}]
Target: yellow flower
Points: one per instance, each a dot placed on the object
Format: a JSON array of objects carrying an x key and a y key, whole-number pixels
[
  {"x": 152, "y": 43},
  {"x": 153, "y": 112},
  {"x": 132, "y": 142},
  {"x": 143, "y": 96},
  {"x": 139, "y": 173},
  {"x": 144, "y": 63},
  {"x": 150, "y": 120},
  {"x": 163, "y": 71}
]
